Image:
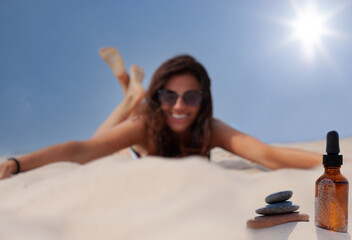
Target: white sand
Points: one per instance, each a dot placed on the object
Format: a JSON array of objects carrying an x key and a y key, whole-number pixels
[{"x": 119, "y": 198}]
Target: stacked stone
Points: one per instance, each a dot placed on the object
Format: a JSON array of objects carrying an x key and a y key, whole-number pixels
[{"x": 278, "y": 211}]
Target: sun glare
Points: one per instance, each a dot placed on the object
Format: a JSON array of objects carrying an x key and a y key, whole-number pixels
[{"x": 309, "y": 28}]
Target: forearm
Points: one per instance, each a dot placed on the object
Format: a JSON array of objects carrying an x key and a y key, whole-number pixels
[
  {"x": 282, "y": 157},
  {"x": 69, "y": 151},
  {"x": 116, "y": 139}
]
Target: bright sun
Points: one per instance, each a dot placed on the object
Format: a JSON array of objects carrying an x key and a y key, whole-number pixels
[{"x": 309, "y": 27}]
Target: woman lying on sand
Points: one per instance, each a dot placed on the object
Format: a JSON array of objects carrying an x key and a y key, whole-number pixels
[{"x": 176, "y": 120}]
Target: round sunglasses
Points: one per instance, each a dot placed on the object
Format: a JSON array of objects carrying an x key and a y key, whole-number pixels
[{"x": 192, "y": 98}]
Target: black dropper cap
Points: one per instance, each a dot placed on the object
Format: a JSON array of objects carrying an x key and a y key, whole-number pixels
[{"x": 332, "y": 159}]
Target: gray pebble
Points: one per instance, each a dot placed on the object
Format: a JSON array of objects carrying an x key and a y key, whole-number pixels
[
  {"x": 277, "y": 208},
  {"x": 278, "y": 197}
]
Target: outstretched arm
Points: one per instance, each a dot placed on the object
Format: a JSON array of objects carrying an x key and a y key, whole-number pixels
[
  {"x": 117, "y": 138},
  {"x": 256, "y": 151}
]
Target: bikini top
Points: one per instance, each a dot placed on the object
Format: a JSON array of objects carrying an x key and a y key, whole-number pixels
[{"x": 136, "y": 155}]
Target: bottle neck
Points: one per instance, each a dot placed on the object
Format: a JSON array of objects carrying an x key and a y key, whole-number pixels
[{"x": 332, "y": 170}]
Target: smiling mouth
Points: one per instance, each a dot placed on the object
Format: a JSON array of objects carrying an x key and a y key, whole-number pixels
[{"x": 178, "y": 116}]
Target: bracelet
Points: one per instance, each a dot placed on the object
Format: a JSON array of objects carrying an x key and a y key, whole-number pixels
[{"x": 17, "y": 164}]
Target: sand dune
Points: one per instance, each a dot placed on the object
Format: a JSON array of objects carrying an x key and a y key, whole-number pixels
[{"x": 154, "y": 198}]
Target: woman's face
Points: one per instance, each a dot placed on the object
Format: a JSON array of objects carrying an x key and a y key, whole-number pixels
[{"x": 180, "y": 116}]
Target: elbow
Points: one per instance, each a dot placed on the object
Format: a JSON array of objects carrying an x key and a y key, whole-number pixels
[
  {"x": 273, "y": 165},
  {"x": 272, "y": 159},
  {"x": 77, "y": 152},
  {"x": 265, "y": 158}
]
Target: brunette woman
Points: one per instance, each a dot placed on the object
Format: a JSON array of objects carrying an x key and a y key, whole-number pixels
[{"x": 175, "y": 121}]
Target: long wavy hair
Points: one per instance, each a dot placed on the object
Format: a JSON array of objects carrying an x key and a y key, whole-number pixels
[{"x": 162, "y": 141}]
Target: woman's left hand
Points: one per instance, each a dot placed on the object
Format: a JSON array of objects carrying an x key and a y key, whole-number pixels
[{"x": 6, "y": 169}]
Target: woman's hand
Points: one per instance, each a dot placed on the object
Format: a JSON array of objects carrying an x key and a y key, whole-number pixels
[{"x": 6, "y": 169}]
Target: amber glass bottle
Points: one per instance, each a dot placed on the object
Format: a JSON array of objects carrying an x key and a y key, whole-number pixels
[{"x": 331, "y": 190}]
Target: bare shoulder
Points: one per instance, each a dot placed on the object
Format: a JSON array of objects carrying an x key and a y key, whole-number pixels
[
  {"x": 221, "y": 133},
  {"x": 218, "y": 124},
  {"x": 219, "y": 127},
  {"x": 132, "y": 131},
  {"x": 135, "y": 126}
]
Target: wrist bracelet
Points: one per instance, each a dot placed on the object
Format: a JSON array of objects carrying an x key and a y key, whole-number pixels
[{"x": 17, "y": 164}]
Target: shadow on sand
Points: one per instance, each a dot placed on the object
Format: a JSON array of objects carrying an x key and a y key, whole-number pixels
[
  {"x": 323, "y": 234},
  {"x": 281, "y": 232}
]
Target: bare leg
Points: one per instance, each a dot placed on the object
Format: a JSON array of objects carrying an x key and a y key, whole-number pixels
[
  {"x": 113, "y": 58},
  {"x": 135, "y": 91},
  {"x": 134, "y": 95}
]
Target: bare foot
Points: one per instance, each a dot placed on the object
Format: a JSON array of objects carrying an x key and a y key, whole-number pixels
[
  {"x": 112, "y": 57},
  {"x": 135, "y": 91}
]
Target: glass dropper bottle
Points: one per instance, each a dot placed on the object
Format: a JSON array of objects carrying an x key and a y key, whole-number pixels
[{"x": 331, "y": 190}]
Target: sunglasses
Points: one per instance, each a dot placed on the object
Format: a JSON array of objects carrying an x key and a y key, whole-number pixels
[{"x": 192, "y": 98}]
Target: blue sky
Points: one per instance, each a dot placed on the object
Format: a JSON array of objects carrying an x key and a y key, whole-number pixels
[{"x": 55, "y": 87}]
